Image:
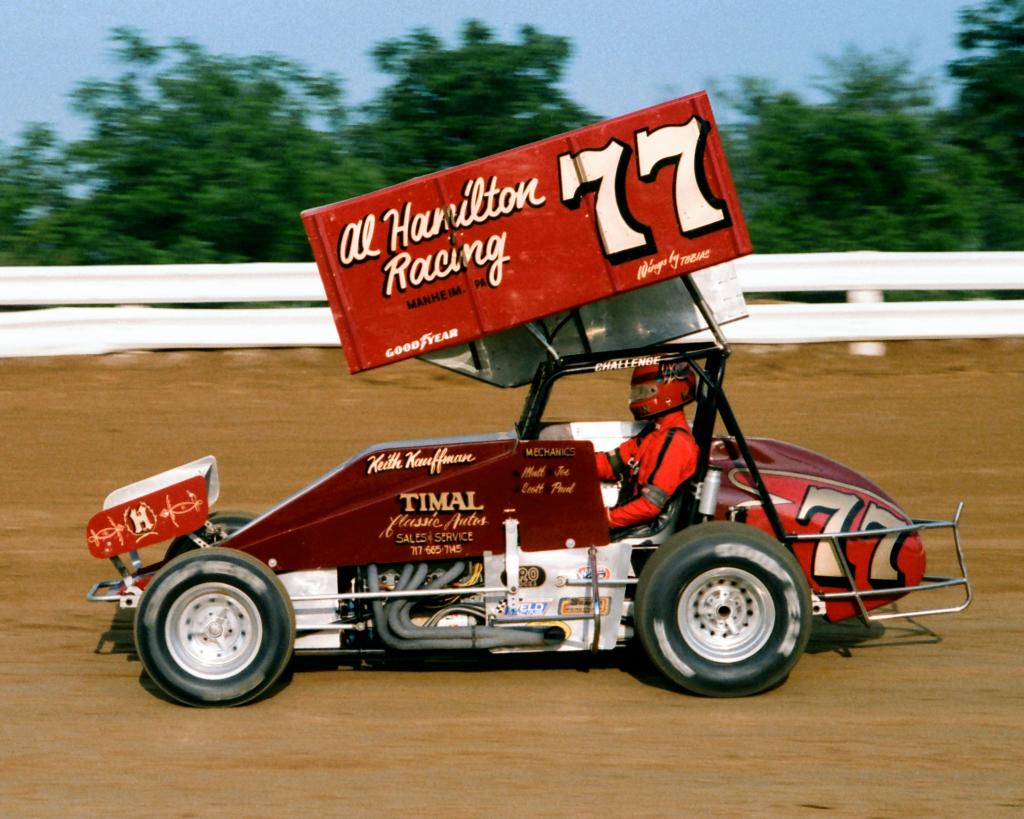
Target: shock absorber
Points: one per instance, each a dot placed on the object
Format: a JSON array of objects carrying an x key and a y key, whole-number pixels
[{"x": 709, "y": 492}]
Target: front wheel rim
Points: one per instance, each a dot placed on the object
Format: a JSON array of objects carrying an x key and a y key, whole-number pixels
[
  {"x": 726, "y": 614},
  {"x": 214, "y": 631}
]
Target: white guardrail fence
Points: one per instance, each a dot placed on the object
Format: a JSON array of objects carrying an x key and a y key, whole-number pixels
[{"x": 58, "y": 310}]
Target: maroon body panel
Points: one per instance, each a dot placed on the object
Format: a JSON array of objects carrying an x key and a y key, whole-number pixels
[
  {"x": 416, "y": 501},
  {"x": 456, "y": 255},
  {"x": 814, "y": 494}
]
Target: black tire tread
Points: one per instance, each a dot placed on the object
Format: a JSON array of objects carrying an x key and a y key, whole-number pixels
[
  {"x": 235, "y": 568},
  {"x": 688, "y": 553}
]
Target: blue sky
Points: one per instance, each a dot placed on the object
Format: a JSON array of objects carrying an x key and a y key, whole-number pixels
[{"x": 626, "y": 55}]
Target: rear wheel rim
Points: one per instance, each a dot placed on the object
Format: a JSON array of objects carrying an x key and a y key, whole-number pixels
[
  {"x": 214, "y": 631},
  {"x": 726, "y": 614}
]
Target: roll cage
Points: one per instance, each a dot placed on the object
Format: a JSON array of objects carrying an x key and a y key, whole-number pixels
[{"x": 708, "y": 360}]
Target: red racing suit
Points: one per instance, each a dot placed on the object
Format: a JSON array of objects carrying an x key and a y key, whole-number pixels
[{"x": 650, "y": 468}]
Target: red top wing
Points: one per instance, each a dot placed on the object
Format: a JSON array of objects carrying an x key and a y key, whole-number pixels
[
  {"x": 448, "y": 258},
  {"x": 153, "y": 518}
]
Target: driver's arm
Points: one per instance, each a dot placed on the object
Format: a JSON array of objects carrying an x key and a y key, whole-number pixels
[
  {"x": 675, "y": 462},
  {"x": 610, "y": 465}
]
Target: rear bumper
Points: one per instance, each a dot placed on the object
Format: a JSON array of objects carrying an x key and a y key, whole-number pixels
[{"x": 127, "y": 589}]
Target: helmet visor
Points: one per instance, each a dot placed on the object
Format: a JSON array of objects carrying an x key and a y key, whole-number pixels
[{"x": 641, "y": 392}]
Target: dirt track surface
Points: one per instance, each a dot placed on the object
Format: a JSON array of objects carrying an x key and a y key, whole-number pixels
[{"x": 915, "y": 719}]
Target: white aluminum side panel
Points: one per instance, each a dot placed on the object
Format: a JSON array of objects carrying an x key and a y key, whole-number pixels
[
  {"x": 314, "y": 613},
  {"x": 543, "y": 602}
]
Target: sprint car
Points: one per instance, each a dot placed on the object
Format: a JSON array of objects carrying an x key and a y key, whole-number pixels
[{"x": 599, "y": 250}]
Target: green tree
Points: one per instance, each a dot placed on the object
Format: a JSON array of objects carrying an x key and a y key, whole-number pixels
[
  {"x": 446, "y": 106},
  {"x": 869, "y": 168},
  {"x": 196, "y": 157},
  {"x": 989, "y": 114},
  {"x": 33, "y": 188}
]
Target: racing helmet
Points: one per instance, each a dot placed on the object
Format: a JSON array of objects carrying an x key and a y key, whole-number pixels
[{"x": 658, "y": 388}]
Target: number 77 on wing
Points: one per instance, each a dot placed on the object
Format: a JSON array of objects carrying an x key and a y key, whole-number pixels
[{"x": 604, "y": 172}]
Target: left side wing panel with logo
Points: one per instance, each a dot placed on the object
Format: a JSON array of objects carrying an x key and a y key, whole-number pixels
[{"x": 153, "y": 518}]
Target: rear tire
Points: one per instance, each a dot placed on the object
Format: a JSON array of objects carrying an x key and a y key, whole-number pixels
[
  {"x": 723, "y": 610},
  {"x": 215, "y": 627}
]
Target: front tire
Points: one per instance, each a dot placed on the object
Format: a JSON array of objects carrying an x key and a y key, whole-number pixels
[
  {"x": 215, "y": 627},
  {"x": 723, "y": 610}
]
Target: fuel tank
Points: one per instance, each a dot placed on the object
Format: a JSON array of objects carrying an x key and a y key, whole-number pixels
[{"x": 814, "y": 494}]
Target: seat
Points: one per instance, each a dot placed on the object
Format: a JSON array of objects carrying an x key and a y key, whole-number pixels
[{"x": 658, "y": 529}]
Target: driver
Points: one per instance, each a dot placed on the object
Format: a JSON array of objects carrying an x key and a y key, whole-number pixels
[{"x": 651, "y": 466}]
